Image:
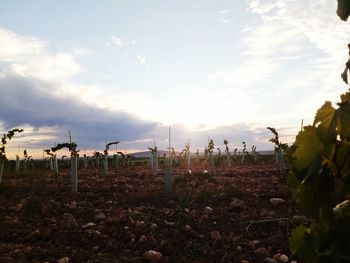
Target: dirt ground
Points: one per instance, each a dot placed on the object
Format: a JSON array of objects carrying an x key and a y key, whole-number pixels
[{"x": 241, "y": 214}]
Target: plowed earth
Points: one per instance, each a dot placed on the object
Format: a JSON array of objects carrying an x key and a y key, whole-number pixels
[{"x": 120, "y": 218}]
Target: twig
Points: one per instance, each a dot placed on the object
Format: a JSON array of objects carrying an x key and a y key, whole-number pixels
[{"x": 264, "y": 221}]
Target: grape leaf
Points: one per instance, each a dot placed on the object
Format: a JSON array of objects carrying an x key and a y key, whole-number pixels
[
  {"x": 309, "y": 146},
  {"x": 302, "y": 243},
  {"x": 343, "y": 159},
  {"x": 325, "y": 120},
  {"x": 343, "y": 121}
]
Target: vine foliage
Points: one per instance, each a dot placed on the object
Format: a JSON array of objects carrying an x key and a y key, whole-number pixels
[
  {"x": 319, "y": 176},
  {"x": 7, "y": 136}
]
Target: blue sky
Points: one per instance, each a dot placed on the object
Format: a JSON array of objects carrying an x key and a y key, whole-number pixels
[{"x": 126, "y": 69}]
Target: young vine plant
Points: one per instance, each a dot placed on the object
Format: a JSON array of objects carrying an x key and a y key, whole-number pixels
[{"x": 6, "y": 137}]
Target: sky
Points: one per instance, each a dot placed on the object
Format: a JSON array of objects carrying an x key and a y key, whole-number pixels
[{"x": 126, "y": 70}]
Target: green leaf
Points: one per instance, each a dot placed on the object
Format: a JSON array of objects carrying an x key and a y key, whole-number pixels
[
  {"x": 343, "y": 120},
  {"x": 343, "y": 159},
  {"x": 314, "y": 193},
  {"x": 293, "y": 182},
  {"x": 309, "y": 146},
  {"x": 320, "y": 228},
  {"x": 325, "y": 120},
  {"x": 345, "y": 97},
  {"x": 303, "y": 243}
]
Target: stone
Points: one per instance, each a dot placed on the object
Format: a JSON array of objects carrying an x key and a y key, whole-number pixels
[
  {"x": 69, "y": 220},
  {"x": 254, "y": 243},
  {"x": 100, "y": 216},
  {"x": 89, "y": 225},
  {"x": 19, "y": 207},
  {"x": 281, "y": 258},
  {"x": 153, "y": 256},
  {"x": 169, "y": 223},
  {"x": 139, "y": 225},
  {"x": 117, "y": 216},
  {"x": 269, "y": 260},
  {"x": 215, "y": 235},
  {"x": 63, "y": 260},
  {"x": 261, "y": 252},
  {"x": 143, "y": 239},
  {"x": 236, "y": 203},
  {"x": 208, "y": 210},
  {"x": 154, "y": 226},
  {"x": 97, "y": 233},
  {"x": 72, "y": 205},
  {"x": 275, "y": 201}
]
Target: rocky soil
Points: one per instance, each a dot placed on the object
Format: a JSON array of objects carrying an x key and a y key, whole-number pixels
[{"x": 243, "y": 214}]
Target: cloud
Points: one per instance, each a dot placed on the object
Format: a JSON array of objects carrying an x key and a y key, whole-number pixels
[
  {"x": 116, "y": 40},
  {"x": 223, "y": 12},
  {"x": 316, "y": 27},
  {"x": 252, "y": 134},
  {"x": 142, "y": 60},
  {"x": 293, "y": 54},
  {"x": 14, "y": 47},
  {"x": 29, "y": 102},
  {"x": 38, "y": 93},
  {"x": 29, "y": 57}
]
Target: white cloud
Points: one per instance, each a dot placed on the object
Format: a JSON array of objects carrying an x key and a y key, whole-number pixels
[
  {"x": 266, "y": 49},
  {"x": 226, "y": 21},
  {"x": 30, "y": 57},
  {"x": 314, "y": 25},
  {"x": 142, "y": 60},
  {"x": 312, "y": 31},
  {"x": 291, "y": 60},
  {"x": 14, "y": 47},
  {"x": 223, "y": 12},
  {"x": 117, "y": 40}
]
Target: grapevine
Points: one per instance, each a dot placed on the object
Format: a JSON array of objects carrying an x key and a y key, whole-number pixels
[{"x": 319, "y": 176}]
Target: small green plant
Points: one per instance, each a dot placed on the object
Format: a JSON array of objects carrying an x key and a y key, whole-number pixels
[
  {"x": 97, "y": 156},
  {"x": 254, "y": 153},
  {"x": 280, "y": 148},
  {"x": 72, "y": 147},
  {"x": 27, "y": 159},
  {"x": 6, "y": 137},
  {"x": 154, "y": 160},
  {"x": 210, "y": 150},
  {"x": 105, "y": 159},
  {"x": 227, "y": 152},
  {"x": 187, "y": 190},
  {"x": 244, "y": 152},
  {"x": 51, "y": 154},
  {"x": 188, "y": 154}
]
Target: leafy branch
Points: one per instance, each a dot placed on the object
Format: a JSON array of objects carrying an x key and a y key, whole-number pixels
[
  {"x": 6, "y": 137},
  {"x": 72, "y": 147}
]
